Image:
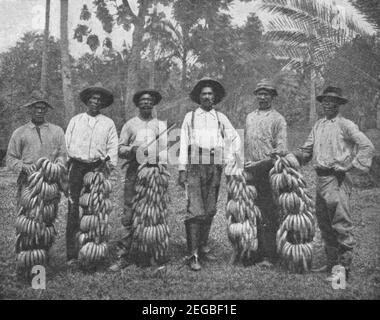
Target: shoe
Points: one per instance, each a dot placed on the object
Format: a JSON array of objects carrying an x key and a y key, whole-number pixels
[
  {"x": 338, "y": 273},
  {"x": 194, "y": 263},
  {"x": 118, "y": 265},
  {"x": 192, "y": 227},
  {"x": 321, "y": 269},
  {"x": 72, "y": 263},
  {"x": 205, "y": 253},
  {"x": 265, "y": 264}
]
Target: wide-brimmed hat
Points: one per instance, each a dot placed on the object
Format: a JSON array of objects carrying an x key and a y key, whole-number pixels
[
  {"x": 153, "y": 93},
  {"x": 106, "y": 95},
  {"x": 216, "y": 86},
  {"x": 268, "y": 85},
  {"x": 37, "y": 97},
  {"x": 333, "y": 92}
]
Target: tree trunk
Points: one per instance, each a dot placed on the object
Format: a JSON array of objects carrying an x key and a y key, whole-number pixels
[
  {"x": 134, "y": 61},
  {"x": 377, "y": 104},
  {"x": 65, "y": 63},
  {"x": 152, "y": 69},
  {"x": 44, "y": 67},
  {"x": 313, "y": 110}
]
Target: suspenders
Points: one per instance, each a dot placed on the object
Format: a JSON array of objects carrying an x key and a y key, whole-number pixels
[{"x": 220, "y": 125}]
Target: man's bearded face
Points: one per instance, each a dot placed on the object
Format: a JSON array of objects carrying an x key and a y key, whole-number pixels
[
  {"x": 207, "y": 97},
  {"x": 146, "y": 104}
]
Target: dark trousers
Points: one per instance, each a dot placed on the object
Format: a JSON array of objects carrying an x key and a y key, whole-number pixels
[
  {"x": 129, "y": 193},
  {"x": 77, "y": 170},
  {"x": 269, "y": 225},
  {"x": 203, "y": 189}
]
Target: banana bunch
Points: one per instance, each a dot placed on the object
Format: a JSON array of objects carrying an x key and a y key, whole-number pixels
[
  {"x": 35, "y": 231},
  {"x": 297, "y": 229},
  {"x": 94, "y": 211},
  {"x": 242, "y": 213},
  {"x": 150, "y": 228}
]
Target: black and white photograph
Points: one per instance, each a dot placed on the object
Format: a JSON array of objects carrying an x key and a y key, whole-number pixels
[{"x": 200, "y": 152}]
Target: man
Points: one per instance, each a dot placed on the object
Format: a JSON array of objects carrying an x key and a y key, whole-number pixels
[
  {"x": 337, "y": 146},
  {"x": 205, "y": 134},
  {"x": 34, "y": 140},
  {"x": 90, "y": 138},
  {"x": 265, "y": 135},
  {"x": 136, "y": 134}
]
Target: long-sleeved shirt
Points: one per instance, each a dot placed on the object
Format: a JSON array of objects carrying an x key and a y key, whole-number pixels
[
  {"x": 89, "y": 139},
  {"x": 26, "y": 146},
  {"x": 338, "y": 141},
  {"x": 266, "y": 131},
  {"x": 139, "y": 132},
  {"x": 205, "y": 132}
]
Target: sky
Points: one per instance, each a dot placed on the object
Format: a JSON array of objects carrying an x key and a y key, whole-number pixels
[{"x": 20, "y": 16}]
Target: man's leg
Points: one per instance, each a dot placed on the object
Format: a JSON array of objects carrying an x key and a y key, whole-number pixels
[
  {"x": 76, "y": 173},
  {"x": 125, "y": 243},
  {"x": 343, "y": 226},
  {"x": 210, "y": 190},
  {"x": 195, "y": 213},
  {"x": 268, "y": 226}
]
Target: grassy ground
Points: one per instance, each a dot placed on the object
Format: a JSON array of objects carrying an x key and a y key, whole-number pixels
[{"x": 217, "y": 280}]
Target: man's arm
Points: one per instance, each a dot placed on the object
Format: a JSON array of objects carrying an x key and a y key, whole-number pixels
[
  {"x": 281, "y": 136},
  {"x": 163, "y": 143},
  {"x": 184, "y": 144},
  {"x": 61, "y": 148},
  {"x": 365, "y": 152},
  {"x": 233, "y": 140},
  {"x": 305, "y": 153},
  {"x": 124, "y": 146},
  {"x": 112, "y": 145},
  {"x": 14, "y": 153}
]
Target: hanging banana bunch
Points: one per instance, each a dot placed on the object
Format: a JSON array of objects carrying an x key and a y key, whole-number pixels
[
  {"x": 242, "y": 213},
  {"x": 296, "y": 232},
  {"x": 35, "y": 231},
  {"x": 150, "y": 226},
  {"x": 95, "y": 208}
]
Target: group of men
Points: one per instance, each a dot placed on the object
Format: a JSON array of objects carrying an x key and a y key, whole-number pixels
[{"x": 207, "y": 142}]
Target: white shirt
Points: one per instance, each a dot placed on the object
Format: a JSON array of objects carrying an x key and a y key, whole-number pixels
[
  {"x": 89, "y": 139},
  {"x": 207, "y": 134}
]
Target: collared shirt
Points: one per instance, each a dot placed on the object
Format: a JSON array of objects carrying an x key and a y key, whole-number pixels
[
  {"x": 89, "y": 139},
  {"x": 207, "y": 133},
  {"x": 266, "y": 131},
  {"x": 139, "y": 132},
  {"x": 338, "y": 141},
  {"x": 26, "y": 146}
]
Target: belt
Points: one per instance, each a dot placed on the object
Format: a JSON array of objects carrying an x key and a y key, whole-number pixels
[
  {"x": 197, "y": 150},
  {"x": 329, "y": 172}
]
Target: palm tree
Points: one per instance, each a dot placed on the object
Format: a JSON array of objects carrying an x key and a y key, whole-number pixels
[
  {"x": 65, "y": 62},
  {"x": 308, "y": 33},
  {"x": 44, "y": 68}
]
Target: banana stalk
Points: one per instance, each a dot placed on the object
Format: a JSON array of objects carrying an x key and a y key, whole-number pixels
[{"x": 297, "y": 229}]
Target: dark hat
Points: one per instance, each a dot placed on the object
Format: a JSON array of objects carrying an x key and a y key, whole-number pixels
[
  {"x": 37, "y": 97},
  {"x": 219, "y": 91},
  {"x": 154, "y": 93},
  {"x": 333, "y": 92},
  {"x": 268, "y": 85},
  {"x": 106, "y": 95}
]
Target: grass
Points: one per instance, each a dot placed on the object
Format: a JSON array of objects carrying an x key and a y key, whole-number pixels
[{"x": 217, "y": 280}]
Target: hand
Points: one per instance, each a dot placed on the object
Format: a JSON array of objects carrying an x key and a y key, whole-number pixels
[
  {"x": 281, "y": 153},
  {"x": 340, "y": 168},
  {"x": 28, "y": 169},
  {"x": 182, "y": 179},
  {"x": 298, "y": 154}
]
